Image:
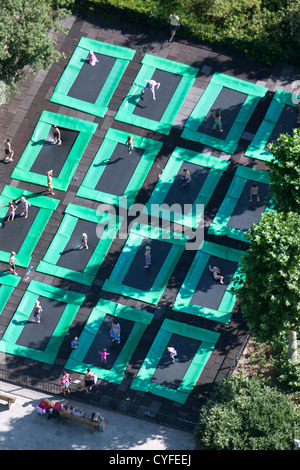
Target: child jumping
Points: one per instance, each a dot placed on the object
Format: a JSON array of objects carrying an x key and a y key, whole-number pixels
[
  {"x": 217, "y": 117},
  {"x": 151, "y": 85},
  {"x": 84, "y": 239},
  {"x": 147, "y": 257},
  {"x": 129, "y": 143}
]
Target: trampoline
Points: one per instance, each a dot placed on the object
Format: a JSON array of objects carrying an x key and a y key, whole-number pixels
[
  {"x": 115, "y": 177},
  {"x": 236, "y": 99},
  {"x": 281, "y": 118},
  {"x": 95, "y": 337},
  {"x": 185, "y": 204},
  {"x": 90, "y": 88},
  {"x": 175, "y": 381},
  {"x": 22, "y": 234},
  {"x": 40, "y": 155},
  {"x": 203, "y": 296},
  {"x": 8, "y": 282},
  {"x": 65, "y": 259},
  {"x": 158, "y": 115},
  {"x": 237, "y": 214},
  {"x": 129, "y": 276},
  {"x": 41, "y": 343}
]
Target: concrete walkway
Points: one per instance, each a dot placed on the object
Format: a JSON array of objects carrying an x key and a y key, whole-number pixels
[{"x": 22, "y": 428}]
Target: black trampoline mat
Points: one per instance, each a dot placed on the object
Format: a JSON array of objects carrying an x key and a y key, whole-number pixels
[
  {"x": 286, "y": 123},
  {"x": 90, "y": 80},
  {"x": 71, "y": 257},
  {"x": 140, "y": 277},
  {"x": 209, "y": 292},
  {"x": 53, "y": 157},
  {"x": 14, "y": 233},
  {"x": 119, "y": 170},
  {"x": 152, "y": 109},
  {"x": 229, "y": 102},
  {"x": 245, "y": 213},
  {"x": 179, "y": 194},
  {"x": 37, "y": 335},
  {"x": 170, "y": 374},
  {"x": 103, "y": 340}
]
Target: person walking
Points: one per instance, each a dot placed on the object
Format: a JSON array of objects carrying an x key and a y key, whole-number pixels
[
  {"x": 174, "y": 25},
  {"x": 49, "y": 181},
  {"x": 12, "y": 260},
  {"x": 9, "y": 153}
]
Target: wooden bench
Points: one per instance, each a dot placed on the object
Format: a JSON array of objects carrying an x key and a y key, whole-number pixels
[
  {"x": 8, "y": 398},
  {"x": 66, "y": 416}
]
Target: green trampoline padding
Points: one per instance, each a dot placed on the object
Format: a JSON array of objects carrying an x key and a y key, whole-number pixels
[
  {"x": 73, "y": 301},
  {"x": 184, "y": 297},
  {"x": 257, "y": 149},
  {"x": 88, "y": 188},
  {"x": 137, "y": 233},
  {"x": 7, "y": 284},
  {"x": 123, "y": 55},
  {"x": 219, "y": 224},
  {"x": 105, "y": 307},
  {"x": 142, "y": 381},
  {"x": 73, "y": 212},
  {"x": 46, "y": 207},
  {"x": 61, "y": 182},
  {"x": 155, "y": 206},
  {"x": 218, "y": 81},
  {"x": 149, "y": 64}
]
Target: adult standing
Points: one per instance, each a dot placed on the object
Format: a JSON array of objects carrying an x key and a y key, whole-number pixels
[
  {"x": 9, "y": 154},
  {"x": 174, "y": 24},
  {"x": 89, "y": 380}
]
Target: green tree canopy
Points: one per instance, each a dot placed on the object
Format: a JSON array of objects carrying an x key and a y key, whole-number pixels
[
  {"x": 245, "y": 414},
  {"x": 25, "y": 38},
  {"x": 285, "y": 172},
  {"x": 269, "y": 296}
]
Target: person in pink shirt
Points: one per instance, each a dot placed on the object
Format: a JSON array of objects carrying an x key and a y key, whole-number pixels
[{"x": 104, "y": 354}]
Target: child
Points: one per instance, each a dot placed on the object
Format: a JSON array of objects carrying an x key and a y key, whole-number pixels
[
  {"x": 104, "y": 354},
  {"x": 129, "y": 142},
  {"x": 216, "y": 274},
  {"x": 148, "y": 256},
  {"x": 84, "y": 239},
  {"x": 254, "y": 192},
  {"x": 49, "y": 181},
  {"x": 9, "y": 154},
  {"x": 74, "y": 343},
  {"x": 172, "y": 352},
  {"x": 151, "y": 84},
  {"x": 12, "y": 261},
  {"x": 56, "y": 133},
  {"x": 185, "y": 177},
  {"x": 37, "y": 312},
  {"x": 92, "y": 58},
  {"x": 218, "y": 123},
  {"x": 25, "y": 205},
  {"x": 11, "y": 210}
]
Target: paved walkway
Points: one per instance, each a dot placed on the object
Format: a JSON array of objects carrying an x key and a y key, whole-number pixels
[{"x": 22, "y": 428}]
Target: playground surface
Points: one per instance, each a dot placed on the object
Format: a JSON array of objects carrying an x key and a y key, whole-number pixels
[{"x": 175, "y": 302}]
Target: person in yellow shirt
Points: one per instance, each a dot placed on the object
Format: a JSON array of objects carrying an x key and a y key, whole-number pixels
[{"x": 174, "y": 24}]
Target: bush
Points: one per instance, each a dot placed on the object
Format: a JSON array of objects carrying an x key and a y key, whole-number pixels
[{"x": 245, "y": 414}]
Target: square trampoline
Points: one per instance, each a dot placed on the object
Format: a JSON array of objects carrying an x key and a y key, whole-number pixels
[
  {"x": 237, "y": 214},
  {"x": 280, "y": 118},
  {"x": 184, "y": 205},
  {"x": 175, "y": 381},
  {"x": 203, "y": 296},
  {"x": 129, "y": 276},
  {"x": 22, "y": 234},
  {"x": 90, "y": 88},
  {"x": 8, "y": 282},
  {"x": 236, "y": 99},
  {"x": 95, "y": 336},
  {"x": 41, "y": 156},
  {"x": 65, "y": 259},
  {"x": 115, "y": 176},
  {"x": 158, "y": 115},
  {"x": 23, "y": 337}
]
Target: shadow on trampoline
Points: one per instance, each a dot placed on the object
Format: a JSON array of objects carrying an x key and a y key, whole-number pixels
[{"x": 108, "y": 161}]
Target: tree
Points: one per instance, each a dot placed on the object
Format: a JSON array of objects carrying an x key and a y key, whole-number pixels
[
  {"x": 25, "y": 39},
  {"x": 285, "y": 172},
  {"x": 269, "y": 296},
  {"x": 245, "y": 414}
]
